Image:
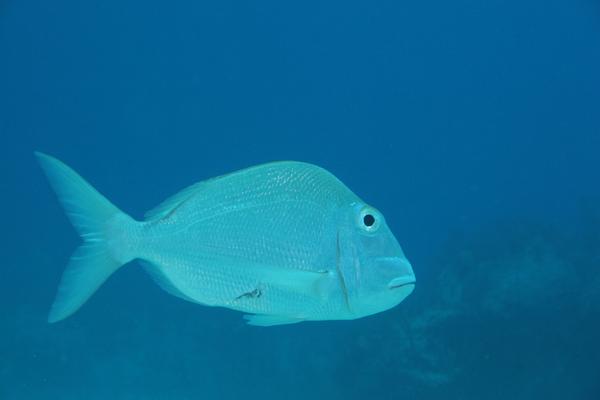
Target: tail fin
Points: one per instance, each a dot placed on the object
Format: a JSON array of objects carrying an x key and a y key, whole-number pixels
[{"x": 96, "y": 220}]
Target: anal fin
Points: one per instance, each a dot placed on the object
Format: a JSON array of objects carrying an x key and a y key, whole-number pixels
[
  {"x": 162, "y": 280},
  {"x": 271, "y": 320}
]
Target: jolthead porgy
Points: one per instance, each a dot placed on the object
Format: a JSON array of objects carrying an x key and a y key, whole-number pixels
[{"x": 284, "y": 242}]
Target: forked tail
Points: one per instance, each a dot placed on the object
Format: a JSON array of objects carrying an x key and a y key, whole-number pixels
[{"x": 105, "y": 230}]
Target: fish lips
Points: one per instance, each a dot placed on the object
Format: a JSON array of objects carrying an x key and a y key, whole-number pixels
[
  {"x": 402, "y": 281},
  {"x": 406, "y": 278}
]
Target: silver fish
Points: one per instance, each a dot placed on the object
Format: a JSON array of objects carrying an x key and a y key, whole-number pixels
[{"x": 285, "y": 242}]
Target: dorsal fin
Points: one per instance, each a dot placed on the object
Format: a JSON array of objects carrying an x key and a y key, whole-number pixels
[
  {"x": 171, "y": 203},
  {"x": 167, "y": 206},
  {"x": 261, "y": 175}
]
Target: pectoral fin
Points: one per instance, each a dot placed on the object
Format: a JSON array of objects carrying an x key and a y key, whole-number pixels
[
  {"x": 309, "y": 283},
  {"x": 270, "y": 320}
]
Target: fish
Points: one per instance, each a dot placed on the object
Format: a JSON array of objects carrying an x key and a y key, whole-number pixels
[{"x": 282, "y": 242}]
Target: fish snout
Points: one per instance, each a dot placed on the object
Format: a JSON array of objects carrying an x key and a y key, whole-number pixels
[{"x": 401, "y": 269}]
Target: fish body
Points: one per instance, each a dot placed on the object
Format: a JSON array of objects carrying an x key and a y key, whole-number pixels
[{"x": 285, "y": 242}]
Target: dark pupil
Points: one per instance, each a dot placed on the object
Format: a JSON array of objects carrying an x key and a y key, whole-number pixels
[{"x": 369, "y": 220}]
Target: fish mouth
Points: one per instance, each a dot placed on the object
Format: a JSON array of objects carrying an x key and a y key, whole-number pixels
[{"x": 402, "y": 281}]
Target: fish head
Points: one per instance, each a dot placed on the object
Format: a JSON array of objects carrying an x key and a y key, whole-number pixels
[{"x": 374, "y": 272}]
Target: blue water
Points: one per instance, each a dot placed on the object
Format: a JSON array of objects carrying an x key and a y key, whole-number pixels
[{"x": 473, "y": 125}]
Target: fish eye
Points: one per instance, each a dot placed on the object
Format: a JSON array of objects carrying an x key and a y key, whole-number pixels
[{"x": 369, "y": 219}]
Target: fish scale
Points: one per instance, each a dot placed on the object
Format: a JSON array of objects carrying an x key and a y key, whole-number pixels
[
  {"x": 235, "y": 224},
  {"x": 285, "y": 241}
]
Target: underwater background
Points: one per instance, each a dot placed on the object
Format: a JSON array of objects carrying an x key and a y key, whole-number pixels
[{"x": 474, "y": 126}]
